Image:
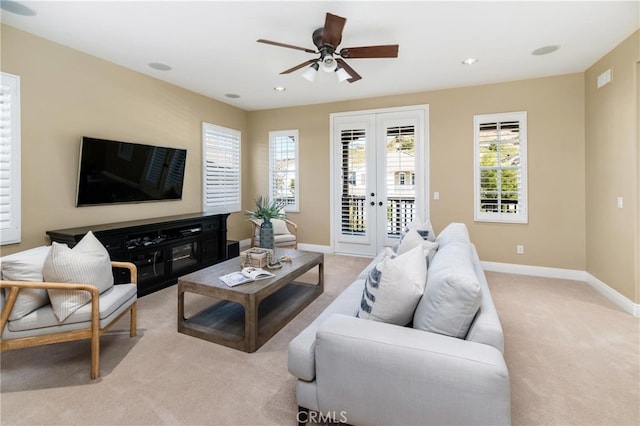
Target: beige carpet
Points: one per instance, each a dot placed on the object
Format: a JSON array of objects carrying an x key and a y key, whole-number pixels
[{"x": 572, "y": 356}]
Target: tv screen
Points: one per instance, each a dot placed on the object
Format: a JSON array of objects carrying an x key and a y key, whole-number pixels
[{"x": 114, "y": 172}]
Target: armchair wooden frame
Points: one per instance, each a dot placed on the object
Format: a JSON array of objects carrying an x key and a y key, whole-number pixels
[
  {"x": 293, "y": 228},
  {"x": 93, "y": 332}
]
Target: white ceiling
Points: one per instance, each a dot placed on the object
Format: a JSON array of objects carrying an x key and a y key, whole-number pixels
[{"x": 212, "y": 49}]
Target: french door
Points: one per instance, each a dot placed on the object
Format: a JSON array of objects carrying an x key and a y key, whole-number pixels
[{"x": 380, "y": 176}]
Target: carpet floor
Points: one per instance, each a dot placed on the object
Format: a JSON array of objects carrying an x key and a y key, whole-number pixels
[{"x": 573, "y": 359}]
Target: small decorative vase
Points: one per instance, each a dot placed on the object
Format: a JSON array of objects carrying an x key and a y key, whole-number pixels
[{"x": 266, "y": 234}]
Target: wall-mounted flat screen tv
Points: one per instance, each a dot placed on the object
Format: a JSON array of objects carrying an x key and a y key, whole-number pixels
[{"x": 114, "y": 172}]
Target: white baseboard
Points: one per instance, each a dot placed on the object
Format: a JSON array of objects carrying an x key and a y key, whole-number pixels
[
  {"x": 316, "y": 248},
  {"x": 617, "y": 298},
  {"x": 244, "y": 244},
  {"x": 538, "y": 271},
  {"x": 569, "y": 274}
]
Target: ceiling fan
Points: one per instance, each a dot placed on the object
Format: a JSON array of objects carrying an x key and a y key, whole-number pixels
[{"x": 327, "y": 39}]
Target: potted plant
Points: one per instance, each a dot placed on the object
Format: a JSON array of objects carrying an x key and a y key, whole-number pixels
[{"x": 266, "y": 210}]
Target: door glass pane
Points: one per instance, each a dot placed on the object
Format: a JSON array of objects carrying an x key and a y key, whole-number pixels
[
  {"x": 400, "y": 178},
  {"x": 354, "y": 177}
]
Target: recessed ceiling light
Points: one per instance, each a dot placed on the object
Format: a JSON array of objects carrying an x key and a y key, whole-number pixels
[
  {"x": 470, "y": 61},
  {"x": 279, "y": 89},
  {"x": 160, "y": 67},
  {"x": 545, "y": 50},
  {"x": 17, "y": 8},
  {"x": 232, "y": 95}
]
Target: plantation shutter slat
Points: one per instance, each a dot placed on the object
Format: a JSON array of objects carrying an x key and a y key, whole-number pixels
[
  {"x": 221, "y": 169},
  {"x": 10, "y": 227}
]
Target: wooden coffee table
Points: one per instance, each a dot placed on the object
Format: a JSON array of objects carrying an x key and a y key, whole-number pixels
[{"x": 247, "y": 315}]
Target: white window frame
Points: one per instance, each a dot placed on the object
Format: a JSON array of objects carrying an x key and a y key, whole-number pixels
[
  {"x": 273, "y": 158},
  {"x": 10, "y": 141},
  {"x": 521, "y": 215},
  {"x": 221, "y": 186}
]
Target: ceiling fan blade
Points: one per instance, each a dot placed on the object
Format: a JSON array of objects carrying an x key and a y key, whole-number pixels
[
  {"x": 354, "y": 75},
  {"x": 290, "y": 46},
  {"x": 386, "y": 51},
  {"x": 332, "y": 32},
  {"x": 302, "y": 65}
]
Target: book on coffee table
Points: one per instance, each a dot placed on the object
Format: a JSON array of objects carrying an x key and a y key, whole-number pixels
[{"x": 247, "y": 275}]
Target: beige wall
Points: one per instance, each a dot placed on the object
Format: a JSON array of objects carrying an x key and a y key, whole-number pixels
[
  {"x": 554, "y": 236},
  {"x": 67, "y": 94},
  {"x": 612, "y": 170}
]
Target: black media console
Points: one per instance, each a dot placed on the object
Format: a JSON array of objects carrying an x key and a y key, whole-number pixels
[{"x": 162, "y": 248}]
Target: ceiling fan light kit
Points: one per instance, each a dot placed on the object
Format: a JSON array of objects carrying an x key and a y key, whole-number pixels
[
  {"x": 341, "y": 74},
  {"x": 310, "y": 73},
  {"x": 327, "y": 39}
]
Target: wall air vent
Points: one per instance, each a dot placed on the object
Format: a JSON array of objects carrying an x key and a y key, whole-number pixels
[{"x": 604, "y": 78}]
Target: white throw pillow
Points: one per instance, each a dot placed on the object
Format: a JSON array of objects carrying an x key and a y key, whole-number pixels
[
  {"x": 87, "y": 263},
  {"x": 453, "y": 294},
  {"x": 26, "y": 266},
  {"x": 413, "y": 239},
  {"x": 280, "y": 227},
  {"x": 424, "y": 228},
  {"x": 394, "y": 287}
]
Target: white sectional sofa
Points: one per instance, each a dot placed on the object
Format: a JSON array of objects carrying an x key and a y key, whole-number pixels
[{"x": 445, "y": 367}]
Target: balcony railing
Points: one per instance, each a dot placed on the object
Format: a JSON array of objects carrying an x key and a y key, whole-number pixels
[
  {"x": 492, "y": 205},
  {"x": 354, "y": 221}
]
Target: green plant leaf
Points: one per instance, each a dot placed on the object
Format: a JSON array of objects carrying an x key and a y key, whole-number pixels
[{"x": 266, "y": 209}]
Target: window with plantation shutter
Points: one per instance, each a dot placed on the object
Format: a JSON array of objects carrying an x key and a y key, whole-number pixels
[
  {"x": 501, "y": 167},
  {"x": 283, "y": 168},
  {"x": 221, "y": 169},
  {"x": 10, "y": 230}
]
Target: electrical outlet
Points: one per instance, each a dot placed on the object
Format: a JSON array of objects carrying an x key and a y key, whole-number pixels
[{"x": 520, "y": 249}]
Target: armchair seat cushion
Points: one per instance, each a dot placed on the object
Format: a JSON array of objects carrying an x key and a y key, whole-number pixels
[
  {"x": 44, "y": 317},
  {"x": 280, "y": 239},
  {"x": 284, "y": 238}
]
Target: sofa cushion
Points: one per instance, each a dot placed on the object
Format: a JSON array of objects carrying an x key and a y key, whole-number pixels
[
  {"x": 453, "y": 293},
  {"x": 87, "y": 263},
  {"x": 394, "y": 287},
  {"x": 26, "y": 266},
  {"x": 454, "y": 231}
]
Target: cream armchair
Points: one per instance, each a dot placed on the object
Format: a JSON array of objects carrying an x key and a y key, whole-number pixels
[
  {"x": 22, "y": 327},
  {"x": 285, "y": 233}
]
